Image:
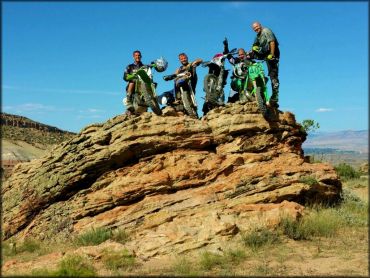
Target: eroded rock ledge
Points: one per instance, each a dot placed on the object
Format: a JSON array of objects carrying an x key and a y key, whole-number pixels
[{"x": 173, "y": 182}]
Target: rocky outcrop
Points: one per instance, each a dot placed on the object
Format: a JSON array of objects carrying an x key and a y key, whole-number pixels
[
  {"x": 173, "y": 182},
  {"x": 23, "y": 122},
  {"x": 24, "y": 139}
]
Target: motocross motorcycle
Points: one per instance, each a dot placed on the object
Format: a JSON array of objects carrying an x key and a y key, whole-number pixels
[
  {"x": 249, "y": 83},
  {"x": 182, "y": 97},
  {"x": 215, "y": 81},
  {"x": 145, "y": 95}
]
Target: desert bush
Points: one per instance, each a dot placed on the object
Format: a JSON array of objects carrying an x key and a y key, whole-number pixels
[
  {"x": 8, "y": 248},
  {"x": 118, "y": 260},
  {"x": 93, "y": 237},
  {"x": 353, "y": 211},
  {"x": 293, "y": 229},
  {"x": 210, "y": 260},
  {"x": 235, "y": 256},
  {"x": 320, "y": 222},
  {"x": 12, "y": 248},
  {"x": 42, "y": 272},
  {"x": 346, "y": 172},
  {"x": 260, "y": 237},
  {"x": 70, "y": 266},
  {"x": 75, "y": 266},
  {"x": 310, "y": 180},
  {"x": 29, "y": 245},
  {"x": 183, "y": 266}
]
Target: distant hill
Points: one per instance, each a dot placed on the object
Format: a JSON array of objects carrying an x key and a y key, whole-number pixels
[
  {"x": 23, "y": 139},
  {"x": 347, "y": 140}
]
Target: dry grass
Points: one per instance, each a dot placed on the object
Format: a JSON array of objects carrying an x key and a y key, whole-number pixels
[{"x": 335, "y": 243}]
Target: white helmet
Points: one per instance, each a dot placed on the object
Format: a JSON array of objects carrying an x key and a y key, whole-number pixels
[{"x": 161, "y": 64}]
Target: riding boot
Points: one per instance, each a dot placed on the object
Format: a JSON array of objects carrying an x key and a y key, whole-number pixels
[
  {"x": 275, "y": 93},
  {"x": 129, "y": 105}
]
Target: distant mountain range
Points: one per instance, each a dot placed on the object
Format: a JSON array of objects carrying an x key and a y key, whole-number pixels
[{"x": 346, "y": 140}]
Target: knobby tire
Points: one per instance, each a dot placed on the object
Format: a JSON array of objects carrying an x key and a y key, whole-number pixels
[
  {"x": 151, "y": 101},
  {"x": 261, "y": 101},
  {"x": 189, "y": 106}
]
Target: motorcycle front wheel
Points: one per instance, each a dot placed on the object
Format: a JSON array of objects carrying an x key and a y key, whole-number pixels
[
  {"x": 189, "y": 106},
  {"x": 261, "y": 101},
  {"x": 210, "y": 83},
  {"x": 138, "y": 104},
  {"x": 152, "y": 102}
]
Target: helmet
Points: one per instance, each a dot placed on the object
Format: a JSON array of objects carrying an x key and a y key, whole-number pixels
[
  {"x": 161, "y": 64},
  {"x": 217, "y": 55}
]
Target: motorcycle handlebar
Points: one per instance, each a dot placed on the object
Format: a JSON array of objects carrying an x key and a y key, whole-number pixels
[
  {"x": 185, "y": 74},
  {"x": 169, "y": 77},
  {"x": 205, "y": 64}
]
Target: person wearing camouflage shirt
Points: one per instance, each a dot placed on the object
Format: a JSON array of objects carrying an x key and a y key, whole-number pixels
[{"x": 266, "y": 47}]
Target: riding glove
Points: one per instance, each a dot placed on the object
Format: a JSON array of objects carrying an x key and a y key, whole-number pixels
[
  {"x": 131, "y": 77},
  {"x": 256, "y": 48}
]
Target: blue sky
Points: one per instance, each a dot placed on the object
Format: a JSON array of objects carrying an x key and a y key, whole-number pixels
[{"x": 62, "y": 62}]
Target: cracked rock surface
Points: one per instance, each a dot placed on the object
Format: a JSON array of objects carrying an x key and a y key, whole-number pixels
[{"x": 174, "y": 183}]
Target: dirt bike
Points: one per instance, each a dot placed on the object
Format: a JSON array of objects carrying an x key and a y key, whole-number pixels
[
  {"x": 145, "y": 95},
  {"x": 215, "y": 81},
  {"x": 249, "y": 83},
  {"x": 182, "y": 97}
]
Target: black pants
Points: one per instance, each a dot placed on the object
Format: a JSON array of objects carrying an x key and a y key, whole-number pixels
[{"x": 273, "y": 72}]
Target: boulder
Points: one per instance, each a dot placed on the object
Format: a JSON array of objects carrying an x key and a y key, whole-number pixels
[{"x": 174, "y": 183}]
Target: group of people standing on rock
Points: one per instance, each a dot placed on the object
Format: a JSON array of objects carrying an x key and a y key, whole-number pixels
[{"x": 265, "y": 47}]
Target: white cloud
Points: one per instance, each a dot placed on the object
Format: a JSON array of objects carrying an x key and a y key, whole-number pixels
[
  {"x": 90, "y": 113},
  {"x": 93, "y": 110},
  {"x": 33, "y": 107},
  {"x": 30, "y": 107},
  {"x": 321, "y": 110}
]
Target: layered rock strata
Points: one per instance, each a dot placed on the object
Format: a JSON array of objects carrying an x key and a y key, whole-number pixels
[{"x": 172, "y": 182}]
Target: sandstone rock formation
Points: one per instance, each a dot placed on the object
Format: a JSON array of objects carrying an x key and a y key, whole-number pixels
[
  {"x": 23, "y": 139},
  {"x": 173, "y": 182},
  {"x": 23, "y": 122}
]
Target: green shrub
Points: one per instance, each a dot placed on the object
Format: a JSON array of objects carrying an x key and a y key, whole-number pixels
[
  {"x": 75, "y": 266},
  {"x": 93, "y": 237},
  {"x": 353, "y": 210},
  {"x": 12, "y": 248},
  {"x": 209, "y": 260},
  {"x": 346, "y": 171},
  {"x": 29, "y": 245},
  {"x": 40, "y": 272},
  {"x": 320, "y": 222},
  {"x": 183, "y": 267},
  {"x": 260, "y": 237},
  {"x": 235, "y": 256},
  {"x": 115, "y": 260},
  {"x": 309, "y": 126},
  {"x": 324, "y": 222},
  {"x": 8, "y": 248},
  {"x": 308, "y": 180},
  {"x": 293, "y": 229}
]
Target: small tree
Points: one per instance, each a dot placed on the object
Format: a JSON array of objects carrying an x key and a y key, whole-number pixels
[{"x": 309, "y": 125}]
